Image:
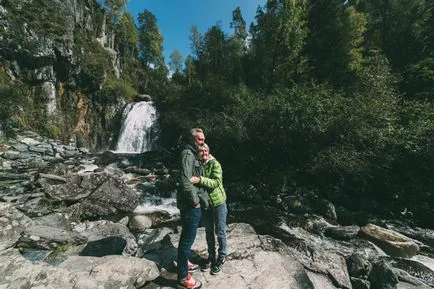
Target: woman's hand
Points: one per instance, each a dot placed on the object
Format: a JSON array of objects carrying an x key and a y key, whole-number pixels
[{"x": 194, "y": 180}]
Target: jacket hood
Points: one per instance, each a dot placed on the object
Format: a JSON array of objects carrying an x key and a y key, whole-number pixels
[{"x": 190, "y": 147}]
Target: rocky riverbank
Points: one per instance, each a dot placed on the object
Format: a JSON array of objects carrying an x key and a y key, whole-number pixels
[{"x": 69, "y": 219}]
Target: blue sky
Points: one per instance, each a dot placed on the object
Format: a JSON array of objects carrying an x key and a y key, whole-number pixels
[{"x": 175, "y": 18}]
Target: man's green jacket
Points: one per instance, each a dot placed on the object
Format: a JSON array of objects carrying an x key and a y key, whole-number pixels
[{"x": 188, "y": 194}]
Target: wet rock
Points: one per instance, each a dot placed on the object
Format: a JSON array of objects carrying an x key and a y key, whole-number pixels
[
  {"x": 326, "y": 209},
  {"x": 408, "y": 281},
  {"x": 358, "y": 266},
  {"x": 382, "y": 276},
  {"x": 360, "y": 283},
  {"x": 342, "y": 233},
  {"x": 415, "y": 269},
  {"x": 421, "y": 234}
]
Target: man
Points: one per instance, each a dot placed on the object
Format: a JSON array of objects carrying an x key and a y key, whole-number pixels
[{"x": 188, "y": 201}]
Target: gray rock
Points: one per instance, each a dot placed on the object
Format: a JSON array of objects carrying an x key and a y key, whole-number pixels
[
  {"x": 409, "y": 281},
  {"x": 29, "y": 141},
  {"x": 342, "y": 233},
  {"x": 76, "y": 272},
  {"x": 139, "y": 223},
  {"x": 382, "y": 276},
  {"x": 250, "y": 258},
  {"x": 12, "y": 223},
  {"x": 98, "y": 230},
  {"x": 44, "y": 237},
  {"x": 358, "y": 266},
  {"x": 21, "y": 147},
  {"x": 152, "y": 239},
  {"x": 11, "y": 155},
  {"x": 360, "y": 283},
  {"x": 112, "y": 245}
]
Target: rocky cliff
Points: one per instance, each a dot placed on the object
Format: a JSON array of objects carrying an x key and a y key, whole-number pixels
[{"x": 62, "y": 50}]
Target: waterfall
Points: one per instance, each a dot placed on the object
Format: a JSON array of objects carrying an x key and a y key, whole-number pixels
[{"x": 138, "y": 125}]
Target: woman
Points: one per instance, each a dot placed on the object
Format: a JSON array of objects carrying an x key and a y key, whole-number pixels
[{"x": 214, "y": 216}]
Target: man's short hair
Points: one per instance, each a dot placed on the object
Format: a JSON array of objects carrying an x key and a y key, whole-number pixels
[{"x": 194, "y": 131}]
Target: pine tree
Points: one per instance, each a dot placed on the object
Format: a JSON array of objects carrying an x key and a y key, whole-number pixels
[{"x": 150, "y": 40}]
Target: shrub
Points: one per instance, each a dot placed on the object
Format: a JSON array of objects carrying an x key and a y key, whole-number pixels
[{"x": 117, "y": 88}]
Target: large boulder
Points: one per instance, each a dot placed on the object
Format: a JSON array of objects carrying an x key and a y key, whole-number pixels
[
  {"x": 93, "y": 195},
  {"x": 393, "y": 243},
  {"x": 110, "y": 272},
  {"x": 255, "y": 261},
  {"x": 44, "y": 237}
]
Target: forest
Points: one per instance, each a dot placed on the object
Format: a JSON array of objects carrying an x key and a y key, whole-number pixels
[{"x": 328, "y": 97}]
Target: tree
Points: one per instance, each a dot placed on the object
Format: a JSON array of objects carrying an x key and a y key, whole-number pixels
[
  {"x": 398, "y": 28},
  {"x": 335, "y": 44},
  {"x": 128, "y": 36},
  {"x": 189, "y": 70},
  {"x": 196, "y": 42},
  {"x": 114, "y": 9},
  {"x": 214, "y": 46},
  {"x": 239, "y": 24},
  {"x": 150, "y": 40},
  {"x": 278, "y": 42},
  {"x": 176, "y": 61}
]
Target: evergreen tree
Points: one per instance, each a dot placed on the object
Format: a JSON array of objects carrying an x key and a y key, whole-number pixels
[
  {"x": 335, "y": 46},
  {"x": 127, "y": 36},
  {"x": 278, "y": 41},
  {"x": 114, "y": 9},
  {"x": 214, "y": 49},
  {"x": 176, "y": 60},
  {"x": 238, "y": 24},
  {"x": 150, "y": 40}
]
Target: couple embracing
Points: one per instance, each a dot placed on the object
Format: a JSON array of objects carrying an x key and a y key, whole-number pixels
[{"x": 200, "y": 195}]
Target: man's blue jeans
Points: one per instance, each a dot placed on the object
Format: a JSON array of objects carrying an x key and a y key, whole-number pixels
[
  {"x": 215, "y": 221},
  {"x": 189, "y": 222}
]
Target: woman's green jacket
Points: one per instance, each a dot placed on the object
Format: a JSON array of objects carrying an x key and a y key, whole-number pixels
[{"x": 213, "y": 181}]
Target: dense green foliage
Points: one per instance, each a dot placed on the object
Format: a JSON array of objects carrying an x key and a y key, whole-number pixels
[{"x": 334, "y": 96}]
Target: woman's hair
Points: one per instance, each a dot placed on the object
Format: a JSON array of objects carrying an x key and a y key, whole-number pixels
[{"x": 203, "y": 147}]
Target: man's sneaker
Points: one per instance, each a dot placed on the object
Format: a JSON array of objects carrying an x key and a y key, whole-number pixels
[
  {"x": 217, "y": 267},
  {"x": 189, "y": 283},
  {"x": 192, "y": 267},
  {"x": 208, "y": 264}
]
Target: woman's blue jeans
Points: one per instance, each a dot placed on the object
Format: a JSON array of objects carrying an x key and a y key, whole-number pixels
[
  {"x": 214, "y": 220},
  {"x": 189, "y": 221}
]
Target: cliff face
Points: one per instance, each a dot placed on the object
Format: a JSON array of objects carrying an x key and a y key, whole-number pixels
[{"x": 62, "y": 49}]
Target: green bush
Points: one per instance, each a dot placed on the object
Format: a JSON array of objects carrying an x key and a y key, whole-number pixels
[
  {"x": 93, "y": 59},
  {"x": 117, "y": 88}
]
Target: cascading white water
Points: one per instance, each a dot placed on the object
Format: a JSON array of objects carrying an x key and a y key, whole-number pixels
[{"x": 139, "y": 120}]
